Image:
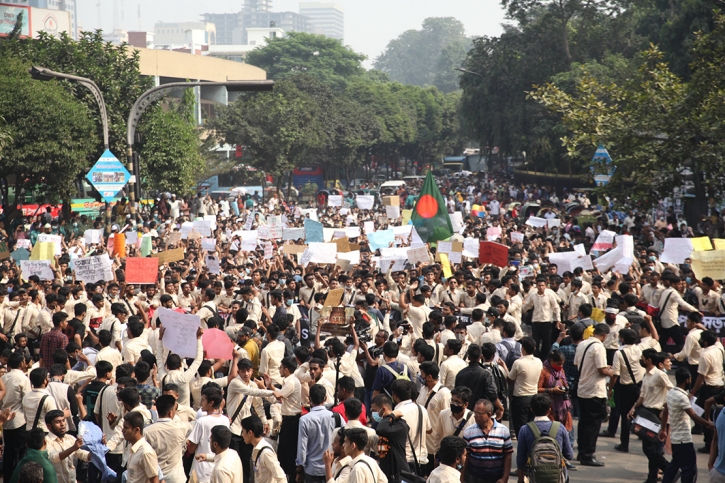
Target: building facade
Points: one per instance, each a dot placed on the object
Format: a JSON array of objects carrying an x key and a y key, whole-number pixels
[{"x": 325, "y": 18}]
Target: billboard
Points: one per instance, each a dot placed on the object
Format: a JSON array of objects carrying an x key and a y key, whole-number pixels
[
  {"x": 9, "y": 17},
  {"x": 52, "y": 22}
]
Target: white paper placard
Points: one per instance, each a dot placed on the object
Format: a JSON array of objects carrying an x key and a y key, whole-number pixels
[{"x": 180, "y": 332}]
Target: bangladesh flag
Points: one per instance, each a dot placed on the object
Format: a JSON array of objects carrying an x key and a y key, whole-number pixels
[{"x": 430, "y": 216}]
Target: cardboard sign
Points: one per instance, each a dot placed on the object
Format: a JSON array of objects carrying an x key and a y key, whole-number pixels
[
  {"x": 343, "y": 264},
  {"x": 292, "y": 249},
  {"x": 418, "y": 255},
  {"x": 293, "y": 234},
  {"x": 169, "y": 256},
  {"x": 4, "y": 252},
  {"x": 493, "y": 253},
  {"x": 142, "y": 270},
  {"x": 334, "y": 297},
  {"x": 391, "y": 200},
  {"x": 343, "y": 244},
  {"x": 174, "y": 238},
  {"x": 213, "y": 264}
]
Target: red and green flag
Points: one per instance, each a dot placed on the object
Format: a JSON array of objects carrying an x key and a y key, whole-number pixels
[{"x": 430, "y": 216}]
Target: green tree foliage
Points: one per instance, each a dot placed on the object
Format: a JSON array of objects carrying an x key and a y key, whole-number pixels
[
  {"x": 302, "y": 53},
  {"x": 49, "y": 135},
  {"x": 428, "y": 56},
  {"x": 654, "y": 122},
  {"x": 170, "y": 154}
]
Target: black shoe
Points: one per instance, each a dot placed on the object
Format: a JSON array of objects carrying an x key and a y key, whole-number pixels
[
  {"x": 570, "y": 466},
  {"x": 704, "y": 450},
  {"x": 621, "y": 449},
  {"x": 591, "y": 462},
  {"x": 578, "y": 456},
  {"x": 606, "y": 434}
]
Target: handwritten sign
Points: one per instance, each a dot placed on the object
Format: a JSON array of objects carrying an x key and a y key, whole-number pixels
[
  {"x": 353, "y": 256},
  {"x": 179, "y": 331},
  {"x": 175, "y": 238},
  {"x": 142, "y": 270},
  {"x": 418, "y": 255},
  {"x": 709, "y": 264},
  {"x": 41, "y": 268},
  {"x": 203, "y": 227},
  {"x": 536, "y": 222},
  {"x": 470, "y": 247},
  {"x": 700, "y": 244},
  {"x": 293, "y": 234},
  {"x": 334, "y": 200},
  {"x": 392, "y": 212},
  {"x": 305, "y": 257},
  {"x": 23, "y": 243},
  {"x": 43, "y": 251},
  {"x": 93, "y": 269},
  {"x": 313, "y": 231},
  {"x": 323, "y": 252},
  {"x": 131, "y": 237},
  {"x": 517, "y": 237},
  {"x": 268, "y": 250},
  {"x": 676, "y": 250}
]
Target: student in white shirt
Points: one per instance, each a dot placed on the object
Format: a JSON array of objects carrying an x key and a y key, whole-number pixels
[
  {"x": 227, "y": 465},
  {"x": 451, "y": 457}
]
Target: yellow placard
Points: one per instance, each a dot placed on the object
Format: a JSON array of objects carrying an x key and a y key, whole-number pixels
[
  {"x": 406, "y": 216},
  {"x": 446, "y": 265},
  {"x": 709, "y": 264},
  {"x": 701, "y": 244},
  {"x": 169, "y": 256},
  {"x": 719, "y": 243},
  {"x": 43, "y": 251}
]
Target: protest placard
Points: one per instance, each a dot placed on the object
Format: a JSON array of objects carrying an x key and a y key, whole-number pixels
[
  {"x": 604, "y": 241},
  {"x": 268, "y": 250},
  {"x": 203, "y": 227},
  {"x": 353, "y": 256},
  {"x": 352, "y": 231},
  {"x": 217, "y": 345},
  {"x": 142, "y": 270},
  {"x": 470, "y": 247},
  {"x": 369, "y": 227},
  {"x": 179, "y": 331},
  {"x": 20, "y": 254},
  {"x": 169, "y": 256},
  {"x": 677, "y": 250},
  {"x": 305, "y": 257},
  {"x": 418, "y": 255},
  {"x": 709, "y": 264},
  {"x": 41, "y": 268},
  {"x": 343, "y": 264},
  {"x": 699, "y": 244},
  {"x": 93, "y": 236},
  {"x": 4, "y": 252},
  {"x": 493, "y": 253},
  {"x": 380, "y": 239},
  {"x": 208, "y": 244},
  {"x": 392, "y": 212},
  {"x": 553, "y": 222},
  {"x": 446, "y": 266},
  {"x": 186, "y": 228},
  {"x": 365, "y": 202},
  {"x": 291, "y": 249},
  {"x": 212, "y": 221},
  {"x": 174, "y": 238},
  {"x": 516, "y": 237},
  {"x": 343, "y": 244},
  {"x": 334, "y": 200},
  {"x": 293, "y": 234},
  {"x": 23, "y": 243},
  {"x": 93, "y": 269},
  {"x": 391, "y": 200},
  {"x": 213, "y": 264},
  {"x": 263, "y": 232},
  {"x": 131, "y": 237},
  {"x": 323, "y": 252},
  {"x": 313, "y": 231},
  {"x": 493, "y": 233},
  {"x": 338, "y": 234},
  {"x": 56, "y": 240},
  {"x": 536, "y": 222}
]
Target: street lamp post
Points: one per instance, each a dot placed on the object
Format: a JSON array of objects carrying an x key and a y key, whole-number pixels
[
  {"x": 466, "y": 71},
  {"x": 43, "y": 74},
  {"x": 156, "y": 93}
]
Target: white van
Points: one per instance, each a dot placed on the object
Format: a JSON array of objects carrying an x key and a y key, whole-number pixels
[{"x": 390, "y": 187}]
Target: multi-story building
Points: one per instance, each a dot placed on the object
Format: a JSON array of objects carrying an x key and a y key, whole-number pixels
[
  {"x": 69, "y": 6},
  {"x": 198, "y": 33},
  {"x": 325, "y": 18}
]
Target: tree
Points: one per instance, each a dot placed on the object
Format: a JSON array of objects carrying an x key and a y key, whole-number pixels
[
  {"x": 5, "y": 137},
  {"x": 654, "y": 124},
  {"x": 301, "y": 53},
  {"x": 49, "y": 134},
  {"x": 278, "y": 128},
  {"x": 428, "y": 56},
  {"x": 170, "y": 155},
  {"x": 561, "y": 12}
]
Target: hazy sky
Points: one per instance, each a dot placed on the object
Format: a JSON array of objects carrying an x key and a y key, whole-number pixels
[{"x": 369, "y": 24}]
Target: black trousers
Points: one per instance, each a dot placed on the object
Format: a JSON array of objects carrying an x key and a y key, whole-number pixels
[
  {"x": 520, "y": 412},
  {"x": 624, "y": 397},
  {"x": 244, "y": 451},
  {"x": 541, "y": 332},
  {"x": 655, "y": 453},
  {"x": 684, "y": 459},
  {"x": 13, "y": 450},
  {"x": 592, "y": 412},
  {"x": 705, "y": 393},
  {"x": 287, "y": 445}
]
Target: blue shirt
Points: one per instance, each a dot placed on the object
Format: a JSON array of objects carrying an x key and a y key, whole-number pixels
[
  {"x": 487, "y": 451},
  {"x": 314, "y": 437},
  {"x": 526, "y": 442},
  {"x": 720, "y": 427},
  {"x": 384, "y": 378}
]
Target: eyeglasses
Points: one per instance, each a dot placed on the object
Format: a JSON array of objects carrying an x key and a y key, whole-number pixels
[{"x": 481, "y": 414}]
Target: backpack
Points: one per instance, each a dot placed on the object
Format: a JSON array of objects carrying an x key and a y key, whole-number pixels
[
  {"x": 513, "y": 353},
  {"x": 402, "y": 376},
  {"x": 633, "y": 318},
  {"x": 500, "y": 380},
  {"x": 546, "y": 462}
]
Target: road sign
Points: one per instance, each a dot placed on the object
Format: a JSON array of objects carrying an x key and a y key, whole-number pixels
[{"x": 108, "y": 176}]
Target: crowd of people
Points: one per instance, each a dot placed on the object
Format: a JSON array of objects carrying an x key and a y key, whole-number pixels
[{"x": 441, "y": 370}]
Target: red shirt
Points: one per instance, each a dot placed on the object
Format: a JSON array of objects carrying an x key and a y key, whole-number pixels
[
  {"x": 49, "y": 343},
  {"x": 340, "y": 409}
]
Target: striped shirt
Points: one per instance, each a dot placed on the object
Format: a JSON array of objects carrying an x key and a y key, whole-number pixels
[{"x": 487, "y": 451}]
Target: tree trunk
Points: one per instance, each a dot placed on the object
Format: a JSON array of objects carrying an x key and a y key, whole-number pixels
[{"x": 565, "y": 32}]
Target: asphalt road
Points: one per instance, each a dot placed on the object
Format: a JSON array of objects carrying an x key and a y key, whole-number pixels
[{"x": 623, "y": 467}]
